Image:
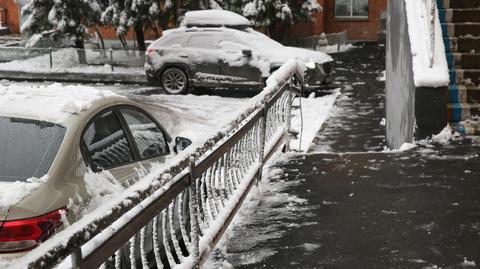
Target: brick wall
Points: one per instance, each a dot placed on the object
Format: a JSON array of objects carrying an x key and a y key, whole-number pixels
[
  {"x": 358, "y": 29},
  {"x": 110, "y": 33},
  {"x": 12, "y": 14}
]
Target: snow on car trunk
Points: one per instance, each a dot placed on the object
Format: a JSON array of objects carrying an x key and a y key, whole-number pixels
[{"x": 12, "y": 192}]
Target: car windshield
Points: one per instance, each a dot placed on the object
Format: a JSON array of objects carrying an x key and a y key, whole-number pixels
[
  {"x": 27, "y": 148},
  {"x": 171, "y": 40}
]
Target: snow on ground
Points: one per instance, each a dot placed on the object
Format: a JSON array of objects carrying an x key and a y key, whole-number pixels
[
  {"x": 192, "y": 116},
  {"x": 314, "y": 112},
  {"x": 334, "y": 48},
  {"x": 66, "y": 60}
]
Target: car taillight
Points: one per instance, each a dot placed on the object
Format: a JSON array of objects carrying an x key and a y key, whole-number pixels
[
  {"x": 25, "y": 234},
  {"x": 149, "y": 51}
]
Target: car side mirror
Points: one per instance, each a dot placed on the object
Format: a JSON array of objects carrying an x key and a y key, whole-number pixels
[
  {"x": 247, "y": 53},
  {"x": 181, "y": 143}
]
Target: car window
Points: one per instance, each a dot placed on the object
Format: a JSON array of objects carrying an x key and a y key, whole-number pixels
[
  {"x": 170, "y": 41},
  {"x": 106, "y": 142},
  {"x": 231, "y": 46},
  {"x": 203, "y": 41},
  {"x": 27, "y": 147},
  {"x": 149, "y": 139}
]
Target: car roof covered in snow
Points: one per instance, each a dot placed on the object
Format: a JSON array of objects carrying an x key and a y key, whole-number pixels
[
  {"x": 54, "y": 103},
  {"x": 215, "y": 18}
]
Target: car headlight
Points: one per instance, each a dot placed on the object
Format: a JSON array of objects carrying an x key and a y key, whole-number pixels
[{"x": 310, "y": 65}]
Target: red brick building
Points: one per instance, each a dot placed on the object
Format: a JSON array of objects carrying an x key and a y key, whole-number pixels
[{"x": 361, "y": 19}]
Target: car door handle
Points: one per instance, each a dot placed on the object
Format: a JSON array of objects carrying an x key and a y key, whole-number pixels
[{"x": 183, "y": 56}]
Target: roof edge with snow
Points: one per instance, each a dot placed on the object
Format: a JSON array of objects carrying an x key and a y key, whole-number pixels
[{"x": 424, "y": 75}]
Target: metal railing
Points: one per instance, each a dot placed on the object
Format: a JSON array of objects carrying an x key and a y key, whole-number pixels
[
  {"x": 177, "y": 215},
  {"x": 340, "y": 39},
  {"x": 315, "y": 41},
  {"x": 65, "y": 57}
]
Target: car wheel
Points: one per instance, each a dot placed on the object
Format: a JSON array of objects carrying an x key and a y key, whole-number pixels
[{"x": 175, "y": 81}]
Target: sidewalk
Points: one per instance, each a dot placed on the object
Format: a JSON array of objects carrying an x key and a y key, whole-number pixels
[
  {"x": 77, "y": 77},
  {"x": 63, "y": 65},
  {"x": 353, "y": 206}
]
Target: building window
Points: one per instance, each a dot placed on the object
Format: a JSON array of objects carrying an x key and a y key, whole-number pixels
[{"x": 351, "y": 9}]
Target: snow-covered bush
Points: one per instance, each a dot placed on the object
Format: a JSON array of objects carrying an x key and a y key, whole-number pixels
[{"x": 70, "y": 18}]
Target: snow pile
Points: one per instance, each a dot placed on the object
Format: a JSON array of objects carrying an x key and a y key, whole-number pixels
[
  {"x": 191, "y": 116},
  {"x": 382, "y": 76},
  {"x": 314, "y": 112},
  {"x": 101, "y": 187},
  {"x": 52, "y": 103},
  {"x": 419, "y": 32},
  {"x": 445, "y": 136},
  {"x": 334, "y": 48},
  {"x": 468, "y": 264},
  {"x": 13, "y": 192},
  {"x": 214, "y": 17},
  {"x": 403, "y": 147}
]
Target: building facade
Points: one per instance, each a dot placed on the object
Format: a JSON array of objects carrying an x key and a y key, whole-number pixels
[{"x": 360, "y": 18}]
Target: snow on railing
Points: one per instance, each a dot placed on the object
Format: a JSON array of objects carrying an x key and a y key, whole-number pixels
[{"x": 173, "y": 217}]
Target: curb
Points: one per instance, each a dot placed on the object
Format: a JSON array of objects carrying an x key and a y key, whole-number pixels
[{"x": 74, "y": 77}]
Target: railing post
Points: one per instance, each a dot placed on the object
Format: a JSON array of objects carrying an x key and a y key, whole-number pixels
[
  {"x": 339, "y": 36},
  {"x": 51, "y": 57},
  {"x": 289, "y": 119},
  {"x": 77, "y": 258},
  {"x": 194, "y": 233},
  {"x": 111, "y": 58},
  {"x": 261, "y": 153}
]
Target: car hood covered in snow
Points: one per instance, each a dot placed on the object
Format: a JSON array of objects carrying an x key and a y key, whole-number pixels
[
  {"x": 275, "y": 52},
  {"x": 303, "y": 55}
]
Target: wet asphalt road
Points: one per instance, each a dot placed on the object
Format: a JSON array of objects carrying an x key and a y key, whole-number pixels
[
  {"x": 355, "y": 122},
  {"x": 363, "y": 209}
]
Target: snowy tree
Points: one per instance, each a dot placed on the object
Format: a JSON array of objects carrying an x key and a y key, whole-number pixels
[
  {"x": 265, "y": 14},
  {"x": 136, "y": 14},
  {"x": 37, "y": 16},
  {"x": 70, "y": 18}
]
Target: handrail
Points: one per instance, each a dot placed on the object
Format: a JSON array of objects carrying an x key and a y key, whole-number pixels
[{"x": 212, "y": 180}]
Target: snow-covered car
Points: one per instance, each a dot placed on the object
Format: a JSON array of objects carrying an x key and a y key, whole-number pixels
[
  {"x": 56, "y": 143},
  {"x": 217, "y": 48}
]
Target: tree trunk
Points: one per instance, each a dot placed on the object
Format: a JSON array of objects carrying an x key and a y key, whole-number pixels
[
  {"x": 101, "y": 38},
  {"x": 122, "y": 41},
  {"x": 82, "y": 56},
  {"x": 140, "y": 36}
]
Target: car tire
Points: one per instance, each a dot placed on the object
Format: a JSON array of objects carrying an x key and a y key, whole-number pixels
[{"x": 175, "y": 81}]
